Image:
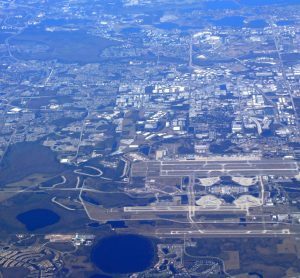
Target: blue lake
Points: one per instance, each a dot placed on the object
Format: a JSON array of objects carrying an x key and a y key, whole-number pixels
[
  {"x": 268, "y": 2},
  {"x": 100, "y": 276},
  {"x": 123, "y": 254},
  {"x": 233, "y": 5},
  {"x": 220, "y": 5},
  {"x": 259, "y": 23},
  {"x": 117, "y": 224},
  {"x": 285, "y": 22},
  {"x": 94, "y": 225},
  {"x": 38, "y": 218},
  {"x": 230, "y": 21}
]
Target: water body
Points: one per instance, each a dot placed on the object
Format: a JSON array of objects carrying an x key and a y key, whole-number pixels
[
  {"x": 100, "y": 276},
  {"x": 167, "y": 26},
  {"x": 230, "y": 21},
  {"x": 117, "y": 224},
  {"x": 255, "y": 275},
  {"x": 285, "y": 22},
  {"x": 4, "y": 36},
  {"x": 221, "y": 5},
  {"x": 145, "y": 150},
  {"x": 123, "y": 254},
  {"x": 228, "y": 199},
  {"x": 268, "y": 2},
  {"x": 259, "y": 23},
  {"x": 38, "y": 218},
  {"x": 94, "y": 225},
  {"x": 131, "y": 30}
]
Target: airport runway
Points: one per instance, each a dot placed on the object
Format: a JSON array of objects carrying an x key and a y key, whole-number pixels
[
  {"x": 182, "y": 208},
  {"x": 214, "y": 168},
  {"x": 214, "y": 232}
]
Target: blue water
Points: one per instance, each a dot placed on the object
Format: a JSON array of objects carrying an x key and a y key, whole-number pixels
[
  {"x": 285, "y": 22},
  {"x": 131, "y": 30},
  {"x": 256, "y": 275},
  {"x": 123, "y": 254},
  {"x": 229, "y": 4},
  {"x": 259, "y": 23},
  {"x": 94, "y": 224},
  {"x": 268, "y": 2},
  {"x": 38, "y": 218},
  {"x": 230, "y": 21},
  {"x": 117, "y": 224},
  {"x": 100, "y": 276},
  {"x": 4, "y": 36},
  {"x": 220, "y": 5},
  {"x": 167, "y": 25}
]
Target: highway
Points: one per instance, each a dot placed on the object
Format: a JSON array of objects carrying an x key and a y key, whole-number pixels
[{"x": 284, "y": 77}]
